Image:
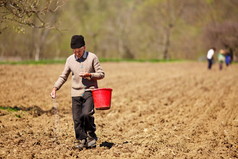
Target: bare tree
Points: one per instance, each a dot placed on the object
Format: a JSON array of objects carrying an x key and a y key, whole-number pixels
[
  {"x": 172, "y": 10},
  {"x": 31, "y": 13},
  {"x": 163, "y": 16},
  {"x": 122, "y": 23},
  {"x": 223, "y": 35}
]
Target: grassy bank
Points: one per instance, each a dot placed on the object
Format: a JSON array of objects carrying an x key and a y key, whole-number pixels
[{"x": 27, "y": 62}]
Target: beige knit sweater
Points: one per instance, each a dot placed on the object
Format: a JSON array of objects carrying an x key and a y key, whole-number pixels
[{"x": 88, "y": 63}]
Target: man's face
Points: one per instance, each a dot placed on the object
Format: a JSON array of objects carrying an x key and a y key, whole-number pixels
[{"x": 79, "y": 51}]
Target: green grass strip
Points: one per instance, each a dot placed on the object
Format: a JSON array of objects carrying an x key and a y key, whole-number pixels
[
  {"x": 14, "y": 109},
  {"x": 32, "y": 62},
  {"x": 140, "y": 60}
]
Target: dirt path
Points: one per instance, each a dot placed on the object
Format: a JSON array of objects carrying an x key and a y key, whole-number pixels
[{"x": 169, "y": 110}]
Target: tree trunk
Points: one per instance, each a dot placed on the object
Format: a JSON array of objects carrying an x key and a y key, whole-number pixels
[
  {"x": 166, "y": 44},
  {"x": 37, "y": 53}
]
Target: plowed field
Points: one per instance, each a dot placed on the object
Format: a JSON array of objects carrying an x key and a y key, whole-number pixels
[{"x": 159, "y": 110}]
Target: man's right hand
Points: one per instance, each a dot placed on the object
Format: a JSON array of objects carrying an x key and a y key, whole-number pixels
[{"x": 53, "y": 93}]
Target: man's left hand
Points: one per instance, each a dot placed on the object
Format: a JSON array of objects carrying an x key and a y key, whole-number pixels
[{"x": 84, "y": 75}]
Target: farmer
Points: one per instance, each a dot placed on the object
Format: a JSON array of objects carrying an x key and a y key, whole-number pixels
[
  {"x": 86, "y": 70},
  {"x": 210, "y": 55}
]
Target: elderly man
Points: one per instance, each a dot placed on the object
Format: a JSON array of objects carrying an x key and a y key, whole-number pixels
[{"x": 86, "y": 70}]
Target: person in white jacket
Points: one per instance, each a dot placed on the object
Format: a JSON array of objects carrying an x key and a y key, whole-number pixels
[{"x": 210, "y": 55}]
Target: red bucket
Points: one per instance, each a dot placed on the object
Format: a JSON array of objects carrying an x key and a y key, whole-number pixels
[{"x": 102, "y": 98}]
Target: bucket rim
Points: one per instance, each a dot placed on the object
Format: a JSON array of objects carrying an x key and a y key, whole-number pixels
[{"x": 98, "y": 89}]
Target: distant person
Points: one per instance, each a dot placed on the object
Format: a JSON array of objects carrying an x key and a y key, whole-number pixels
[
  {"x": 228, "y": 57},
  {"x": 231, "y": 54},
  {"x": 86, "y": 70},
  {"x": 210, "y": 55},
  {"x": 221, "y": 58}
]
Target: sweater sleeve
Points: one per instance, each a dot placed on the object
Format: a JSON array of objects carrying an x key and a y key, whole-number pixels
[
  {"x": 99, "y": 73},
  {"x": 63, "y": 77}
]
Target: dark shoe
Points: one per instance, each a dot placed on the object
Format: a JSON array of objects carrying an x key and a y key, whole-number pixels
[
  {"x": 91, "y": 139},
  {"x": 80, "y": 144},
  {"x": 91, "y": 142}
]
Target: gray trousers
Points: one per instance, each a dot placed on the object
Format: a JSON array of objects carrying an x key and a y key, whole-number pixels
[{"x": 83, "y": 110}]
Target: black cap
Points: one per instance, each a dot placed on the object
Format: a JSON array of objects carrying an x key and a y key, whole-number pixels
[{"x": 77, "y": 41}]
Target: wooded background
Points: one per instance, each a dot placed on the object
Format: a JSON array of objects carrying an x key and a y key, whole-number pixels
[{"x": 119, "y": 29}]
